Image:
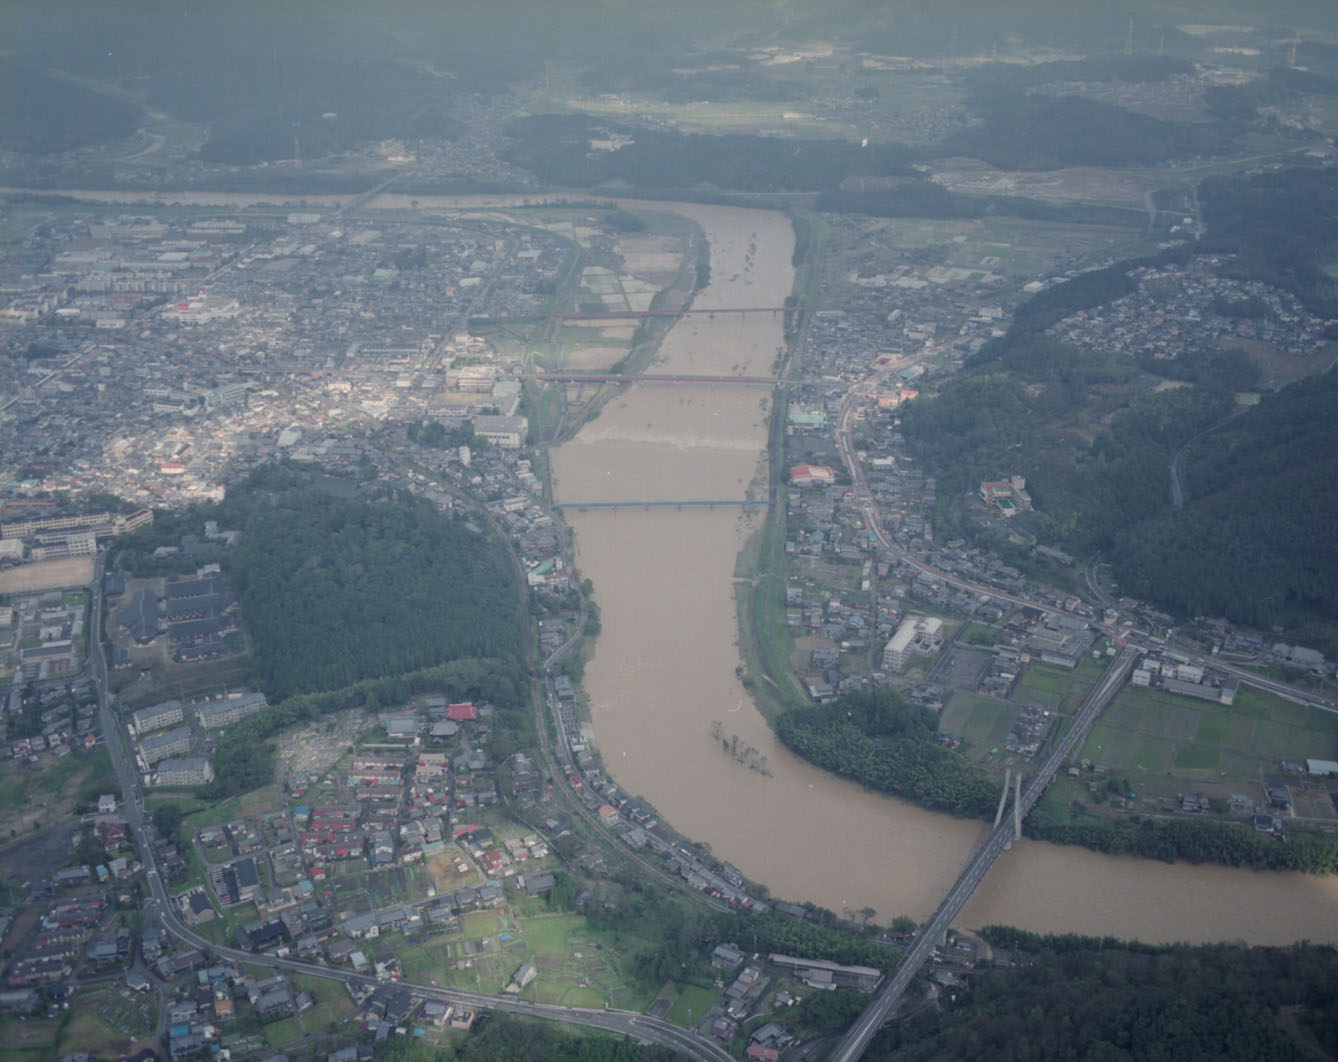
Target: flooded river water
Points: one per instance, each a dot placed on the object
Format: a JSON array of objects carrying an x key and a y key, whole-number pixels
[{"x": 664, "y": 669}]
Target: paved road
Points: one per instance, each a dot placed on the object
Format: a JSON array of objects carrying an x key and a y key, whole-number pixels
[
  {"x": 873, "y": 522},
  {"x": 620, "y": 1022},
  {"x": 1091, "y": 578},
  {"x": 857, "y": 1037}
]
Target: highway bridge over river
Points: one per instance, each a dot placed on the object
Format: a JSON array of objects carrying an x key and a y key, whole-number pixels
[
  {"x": 857, "y": 1037},
  {"x": 654, "y": 378},
  {"x": 666, "y": 503}
]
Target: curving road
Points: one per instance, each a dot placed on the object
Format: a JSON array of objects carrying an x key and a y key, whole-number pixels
[
  {"x": 619, "y": 1022},
  {"x": 873, "y": 523}
]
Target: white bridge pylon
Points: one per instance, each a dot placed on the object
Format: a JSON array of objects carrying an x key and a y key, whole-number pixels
[{"x": 1003, "y": 797}]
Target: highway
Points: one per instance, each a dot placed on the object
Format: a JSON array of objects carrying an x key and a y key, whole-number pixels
[
  {"x": 620, "y": 1022},
  {"x": 857, "y": 1037}
]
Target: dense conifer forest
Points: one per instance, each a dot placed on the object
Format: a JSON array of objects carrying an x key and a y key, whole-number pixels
[{"x": 1080, "y": 997}]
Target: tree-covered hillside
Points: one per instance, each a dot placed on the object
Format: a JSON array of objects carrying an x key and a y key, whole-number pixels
[
  {"x": 338, "y": 587},
  {"x": 1094, "y": 440},
  {"x": 43, "y": 114},
  {"x": 1084, "y": 998},
  {"x": 1031, "y": 412},
  {"x": 1255, "y": 540},
  {"x": 1035, "y": 132},
  {"x": 1282, "y": 228},
  {"x": 335, "y": 590},
  {"x": 559, "y": 150}
]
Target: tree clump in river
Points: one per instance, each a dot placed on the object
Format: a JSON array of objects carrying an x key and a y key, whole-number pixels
[{"x": 742, "y": 752}]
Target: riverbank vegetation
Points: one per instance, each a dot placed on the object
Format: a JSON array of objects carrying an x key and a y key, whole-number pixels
[
  {"x": 1233, "y": 844},
  {"x": 883, "y": 742},
  {"x": 1083, "y": 997}
]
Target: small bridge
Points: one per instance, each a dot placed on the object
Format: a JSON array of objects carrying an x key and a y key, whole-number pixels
[{"x": 665, "y": 503}]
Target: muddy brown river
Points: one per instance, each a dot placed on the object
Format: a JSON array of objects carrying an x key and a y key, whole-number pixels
[
  {"x": 664, "y": 666},
  {"x": 664, "y": 671}
]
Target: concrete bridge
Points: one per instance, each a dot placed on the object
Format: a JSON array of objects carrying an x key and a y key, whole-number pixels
[
  {"x": 661, "y": 378},
  {"x": 665, "y": 503},
  {"x": 737, "y": 311},
  {"x": 857, "y": 1037}
]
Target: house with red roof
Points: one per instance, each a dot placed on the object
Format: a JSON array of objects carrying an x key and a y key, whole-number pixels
[{"x": 806, "y": 475}]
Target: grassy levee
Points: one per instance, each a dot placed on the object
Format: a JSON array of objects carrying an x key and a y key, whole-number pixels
[
  {"x": 764, "y": 639},
  {"x": 649, "y": 334},
  {"x": 765, "y": 642}
]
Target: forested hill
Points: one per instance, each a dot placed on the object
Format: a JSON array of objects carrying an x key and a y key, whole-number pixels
[
  {"x": 1073, "y": 997},
  {"x": 1028, "y": 412},
  {"x": 335, "y": 590},
  {"x": 1255, "y": 541},
  {"x": 557, "y": 149},
  {"x": 1094, "y": 437},
  {"x": 1033, "y": 132},
  {"x": 340, "y": 584},
  {"x": 44, "y": 114}
]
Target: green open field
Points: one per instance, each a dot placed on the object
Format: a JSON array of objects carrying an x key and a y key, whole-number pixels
[
  {"x": 283, "y": 1032},
  {"x": 1014, "y": 248},
  {"x": 1163, "y": 744},
  {"x": 332, "y": 1001},
  {"x": 981, "y": 722},
  {"x": 691, "y": 1004},
  {"x": 186, "y": 681},
  {"x": 48, "y": 791},
  {"x": 1166, "y": 744},
  {"x": 32, "y": 1038},
  {"x": 257, "y": 801},
  {"x": 106, "y": 1020},
  {"x": 577, "y": 967}
]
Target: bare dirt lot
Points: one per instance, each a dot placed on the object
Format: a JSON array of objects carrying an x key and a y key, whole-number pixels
[
  {"x": 445, "y": 874},
  {"x": 655, "y": 259},
  {"x": 46, "y": 575},
  {"x": 963, "y": 668},
  {"x": 314, "y": 750},
  {"x": 1076, "y": 184},
  {"x": 586, "y": 359}
]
